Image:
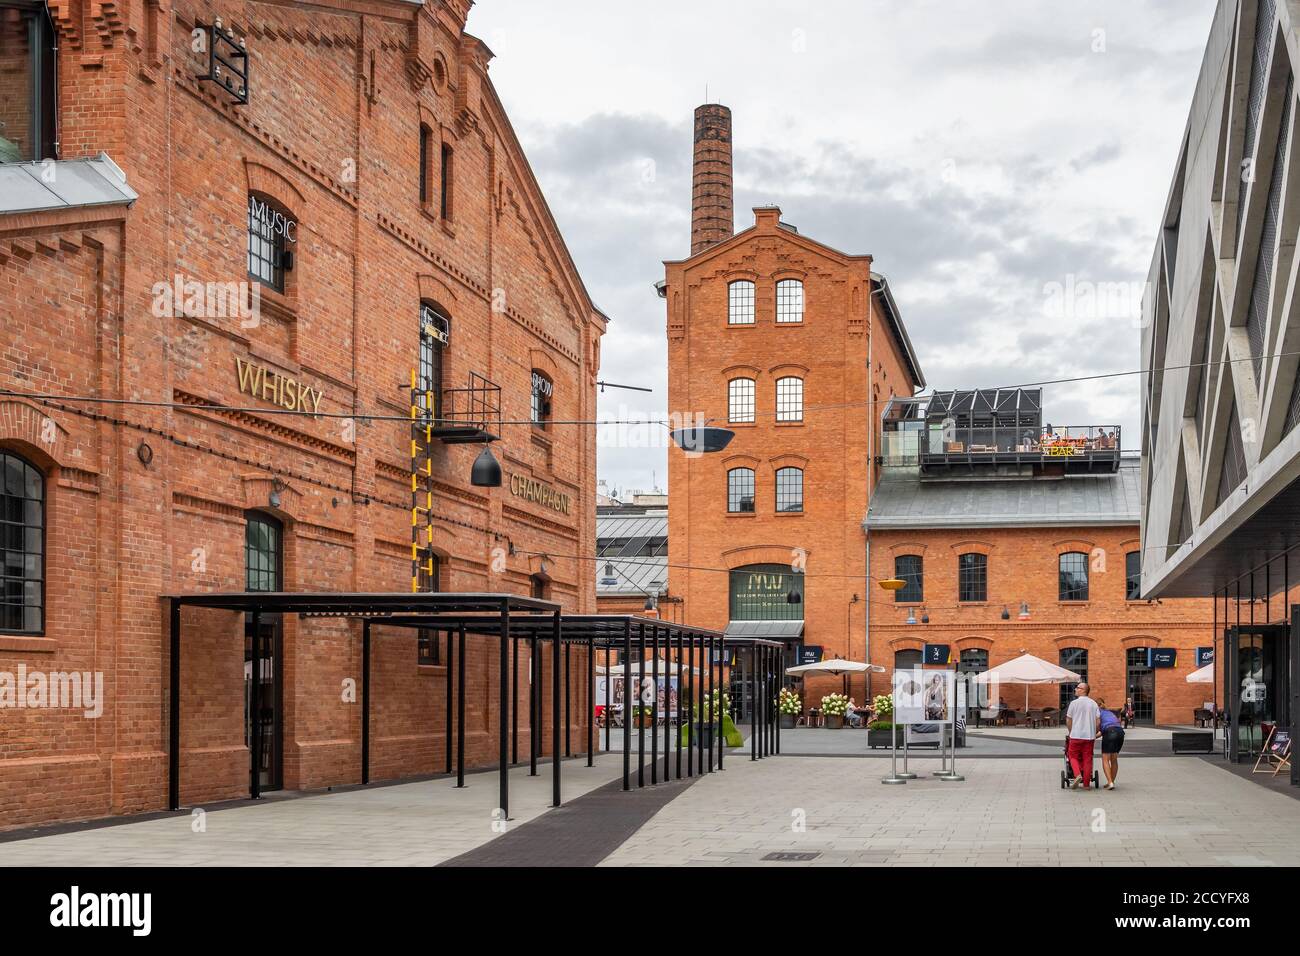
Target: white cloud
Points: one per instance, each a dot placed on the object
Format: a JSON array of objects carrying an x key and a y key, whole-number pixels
[{"x": 978, "y": 150}]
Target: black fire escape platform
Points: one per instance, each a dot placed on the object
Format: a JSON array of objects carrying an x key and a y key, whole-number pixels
[{"x": 469, "y": 415}]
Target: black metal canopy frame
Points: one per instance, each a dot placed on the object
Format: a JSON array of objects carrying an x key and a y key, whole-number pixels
[{"x": 509, "y": 619}]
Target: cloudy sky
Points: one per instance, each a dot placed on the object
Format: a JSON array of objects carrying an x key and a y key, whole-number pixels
[{"x": 1000, "y": 159}]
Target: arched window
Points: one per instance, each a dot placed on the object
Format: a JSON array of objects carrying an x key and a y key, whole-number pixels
[
  {"x": 765, "y": 592},
  {"x": 789, "y": 301},
  {"x": 1073, "y": 576},
  {"x": 435, "y": 336},
  {"x": 906, "y": 659},
  {"x": 271, "y": 233},
  {"x": 740, "y": 400},
  {"x": 972, "y": 577},
  {"x": 1133, "y": 575},
  {"x": 740, "y": 490},
  {"x": 789, "y": 399},
  {"x": 263, "y": 553},
  {"x": 22, "y": 545},
  {"x": 740, "y": 302},
  {"x": 543, "y": 391},
  {"x": 789, "y": 489},
  {"x": 426, "y": 163},
  {"x": 908, "y": 569}
]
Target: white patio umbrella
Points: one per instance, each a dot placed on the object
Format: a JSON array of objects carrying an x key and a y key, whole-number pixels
[
  {"x": 1202, "y": 675},
  {"x": 646, "y": 669},
  {"x": 1027, "y": 669},
  {"x": 835, "y": 666}
]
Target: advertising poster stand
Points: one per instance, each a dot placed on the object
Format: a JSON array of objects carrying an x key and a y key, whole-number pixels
[{"x": 925, "y": 697}]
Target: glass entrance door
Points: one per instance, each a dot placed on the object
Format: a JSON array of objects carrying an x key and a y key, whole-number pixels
[
  {"x": 264, "y": 647},
  {"x": 1141, "y": 684}
]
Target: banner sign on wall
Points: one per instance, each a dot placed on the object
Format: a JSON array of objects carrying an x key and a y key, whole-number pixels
[
  {"x": 936, "y": 654},
  {"x": 810, "y": 654},
  {"x": 1204, "y": 655},
  {"x": 1162, "y": 657}
]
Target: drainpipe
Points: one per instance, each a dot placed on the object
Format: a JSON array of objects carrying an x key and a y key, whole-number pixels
[{"x": 872, "y": 417}]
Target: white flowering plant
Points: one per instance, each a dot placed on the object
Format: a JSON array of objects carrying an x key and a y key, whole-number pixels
[
  {"x": 835, "y": 705},
  {"x": 788, "y": 702},
  {"x": 883, "y": 705}
]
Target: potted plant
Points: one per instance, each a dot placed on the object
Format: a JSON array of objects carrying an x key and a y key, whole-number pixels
[
  {"x": 790, "y": 707},
  {"x": 881, "y": 732},
  {"x": 834, "y": 707},
  {"x": 704, "y": 711},
  {"x": 642, "y": 716}
]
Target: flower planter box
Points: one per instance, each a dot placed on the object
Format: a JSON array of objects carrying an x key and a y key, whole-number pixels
[
  {"x": 881, "y": 738},
  {"x": 834, "y": 721},
  {"x": 788, "y": 721}
]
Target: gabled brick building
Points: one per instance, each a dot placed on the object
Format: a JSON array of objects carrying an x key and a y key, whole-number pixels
[
  {"x": 788, "y": 342},
  {"x": 253, "y": 267}
]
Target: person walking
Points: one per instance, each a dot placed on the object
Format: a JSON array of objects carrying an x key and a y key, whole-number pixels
[
  {"x": 1112, "y": 742},
  {"x": 1083, "y": 721}
]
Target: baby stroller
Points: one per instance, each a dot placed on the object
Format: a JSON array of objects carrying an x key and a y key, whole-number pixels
[{"x": 1068, "y": 773}]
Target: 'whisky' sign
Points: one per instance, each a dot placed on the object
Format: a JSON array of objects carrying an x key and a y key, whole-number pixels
[{"x": 271, "y": 386}]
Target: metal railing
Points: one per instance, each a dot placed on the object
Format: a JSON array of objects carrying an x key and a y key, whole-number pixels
[{"x": 1049, "y": 441}]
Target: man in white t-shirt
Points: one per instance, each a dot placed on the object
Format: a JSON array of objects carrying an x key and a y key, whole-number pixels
[{"x": 1083, "y": 718}]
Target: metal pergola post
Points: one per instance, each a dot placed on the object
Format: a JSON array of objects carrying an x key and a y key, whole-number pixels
[
  {"x": 627, "y": 706},
  {"x": 255, "y": 710},
  {"x": 668, "y": 697},
  {"x": 514, "y": 691},
  {"x": 534, "y": 678},
  {"x": 460, "y": 707},
  {"x": 568, "y": 680},
  {"x": 503, "y": 741},
  {"x": 591, "y": 711},
  {"x": 451, "y": 654},
  {"x": 753, "y": 701},
  {"x": 365, "y": 701},
  {"x": 690, "y": 705},
  {"x": 722, "y": 711},
  {"x": 555, "y": 710},
  {"x": 677, "y": 730},
  {"x": 640, "y": 703},
  {"x": 654, "y": 732},
  {"x": 174, "y": 706}
]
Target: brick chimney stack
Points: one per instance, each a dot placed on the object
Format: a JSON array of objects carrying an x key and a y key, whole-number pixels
[{"x": 712, "y": 218}]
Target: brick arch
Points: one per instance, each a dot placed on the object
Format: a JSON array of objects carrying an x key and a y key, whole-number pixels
[
  {"x": 433, "y": 289},
  {"x": 789, "y": 369},
  {"x": 1067, "y": 545},
  {"x": 967, "y": 643},
  {"x": 908, "y": 547},
  {"x": 257, "y": 497},
  {"x": 23, "y": 428},
  {"x": 1074, "y": 640},
  {"x": 788, "y": 460},
  {"x": 760, "y": 554},
  {"x": 1130, "y": 544},
  {"x": 543, "y": 362},
  {"x": 906, "y": 644},
  {"x": 736, "y": 461},
  {"x": 973, "y": 547},
  {"x": 270, "y": 182},
  {"x": 789, "y": 273},
  {"x": 1140, "y": 640},
  {"x": 732, "y": 371},
  {"x": 736, "y": 275}
]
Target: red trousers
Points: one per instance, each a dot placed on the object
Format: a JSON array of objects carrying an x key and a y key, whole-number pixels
[{"x": 1080, "y": 754}]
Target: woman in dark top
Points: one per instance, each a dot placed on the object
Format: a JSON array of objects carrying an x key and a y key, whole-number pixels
[{"x": 1112, "y": 741}]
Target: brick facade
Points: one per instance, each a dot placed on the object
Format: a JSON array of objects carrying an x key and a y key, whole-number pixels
[
  {"x": 331, "y": 136},
  {"x": 1022, "y": 566},
  {"x": 847, "y": 355}
]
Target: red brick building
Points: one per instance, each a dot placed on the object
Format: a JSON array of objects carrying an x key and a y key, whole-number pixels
[
  {"x": 786, "y": 341},
  {"x": 366, "y": 212},
  {"x": 1013, "y": 536}
]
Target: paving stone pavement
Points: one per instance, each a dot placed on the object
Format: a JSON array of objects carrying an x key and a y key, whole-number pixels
[
  {"x": 1180, "y": 811},
  {"x": 408, "y": 824}
]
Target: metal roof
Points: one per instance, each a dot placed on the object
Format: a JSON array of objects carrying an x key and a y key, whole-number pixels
[
  {"x": 771, "y": 629},
  {"x": 636, "y": 574},
  {"x": 910, "y": 502},
  {"x": 61, "y": 184}
]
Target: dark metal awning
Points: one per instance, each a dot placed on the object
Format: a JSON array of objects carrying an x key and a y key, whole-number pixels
[{"x": 773, "y": 630}]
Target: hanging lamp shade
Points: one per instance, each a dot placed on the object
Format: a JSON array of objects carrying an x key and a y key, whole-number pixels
[{"x": 486, "y": 472}]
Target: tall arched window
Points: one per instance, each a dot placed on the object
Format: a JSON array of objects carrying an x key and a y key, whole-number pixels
[
  {"x": 1133, "y": 575},
  {"x": 908, "y": 568},
  {"x": 435, "y": 335},
  {"x": 972, "y": 577},
  {"x": 740, "y": 302},
  {"x": 271, "y": 234},
  {"x": 263, "y": 553},
  {"x": 1072, "y": 659},
  {"x": 789, "y": 301},
  {"x": 543, "y": 390},
  {"x": 789, "y": 399},
  {"x": 22, "y": 545},
  {"x": 789, "y": 489},
  {"x": 740, "y": 490},
  {"x": 740, "y": 400},
  {"x": 27, "y": 92},
  {"x": 1073, "y": 576}
]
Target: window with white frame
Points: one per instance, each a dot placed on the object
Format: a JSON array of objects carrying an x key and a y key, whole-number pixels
[
  {"x": 789, "y": 399},
  {"x": 740, "y": 400},
  {"x": 789, "y": 301},
  {"x": 740, "y": 302}
]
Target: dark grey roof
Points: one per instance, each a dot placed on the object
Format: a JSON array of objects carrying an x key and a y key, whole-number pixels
[
  {"x": 59, "y": 184},
  {"x": 636, "y": 574},
  {"x": 776, "y": 629},
  {"x": 909, "y": 502}
]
